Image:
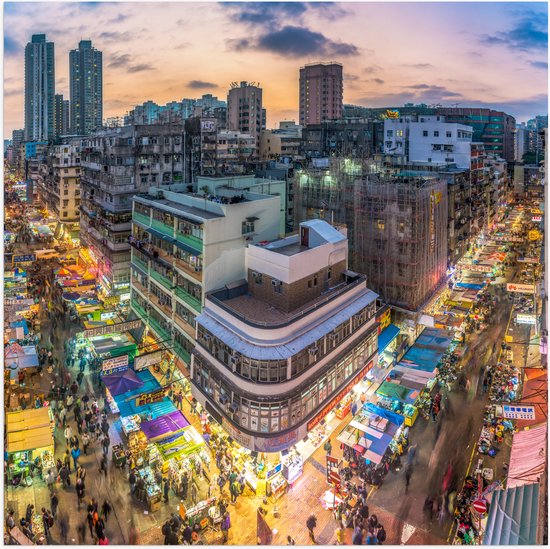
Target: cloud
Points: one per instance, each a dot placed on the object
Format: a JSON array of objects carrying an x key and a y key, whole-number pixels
[
  {"x": 115, "y": 36},
  {"x": 238, "y": 44},
  {"x": 119, "y": 18},
  {"x": 350, "y": 77},
  {"x": 539, "y": 64},
  {"x": 10, "y": 93},
  {"x": 372, "y": 68},
  {"x": 530, "y": 32},
  {"x": 299, "y": 42},
  {"x": 183, "y": 46},
  {"x": 377, "y": 80},
  {"x": 11, "y": 46},
  {"x": 124, "y": 61},
  {"x": 418, "y": 65},
  {"x": 267, "y": 14},
  {"x": 120, "y": 60},
  {"x": 141, "y": 68},
  {"x": 201, "y": 85}
]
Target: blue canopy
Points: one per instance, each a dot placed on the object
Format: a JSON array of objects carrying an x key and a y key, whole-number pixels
[
  {"x": 156, "y": 409},
  {"x": 387, "y": 336},
  {"x": 383, "y": 413},
  {"x": 469, "y": 286},
  {"x": 21, "y": 324},
  {"x": 513, "y": 516}
]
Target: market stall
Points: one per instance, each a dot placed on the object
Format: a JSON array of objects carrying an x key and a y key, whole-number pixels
[
  {"x": 30, "y": 442},
  {"x": 19, "y": 357}
]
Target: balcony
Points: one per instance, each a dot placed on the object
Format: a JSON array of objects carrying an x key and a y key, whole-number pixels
[
  {"x": 141, "y": 312},
  {"x": 166, "y": 282},
  {"x": 189, "y": 299},
  {"x": 163, "y": 228},
  {"x": 182, "y": 353},
  {"x": 165, "y": 309},
  {"x": 161, "y": 332},
  {"x": 185, "y": 326},
  {"x": 141, "y": 218},
  {"x": 140, "y": 263},
  {"x": 194, "y": 272},
  {"x": 194, "y": 241}
]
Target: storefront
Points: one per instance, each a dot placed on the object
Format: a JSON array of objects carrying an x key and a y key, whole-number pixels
[{"x": 30, "y": 443}]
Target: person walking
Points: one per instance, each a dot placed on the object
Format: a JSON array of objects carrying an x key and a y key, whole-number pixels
[
  {"x": 235, "y": 490},
  {"x": 64, "y": 476},
  {"x": 105, "y": 443},
  {"x": 75, "y": 453},
  {"x": 166, "y": 489},
  {"x": 106, "y": 509},
  {"x": 79, "y": 491},
  {"x": 85, "y": 442},
  {"x": 408, "y": 475},
  {"x": 225, "y": 526},
  {"x": 54, "y": 503},
  {"x": 68, "y": 432},
  {"x": 327, "y": 447},
  {"x": 311, "y": 523}
]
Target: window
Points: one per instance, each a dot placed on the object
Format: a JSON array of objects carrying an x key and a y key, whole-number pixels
[
  {"x": 258, "y": 278},
  {"x": 390, "y": 133},
  {"x": 66, "y": 192},
  {"x": 449, "y": 134},
  {"x": 65, "y": 214},
  {"x": 399, "y": 133},
  {"x": 425, "y": 133},
  {"x": 380, "y": 224},
  {"x": 247, "y": 227},
  {"x": 436, "y": 134}
]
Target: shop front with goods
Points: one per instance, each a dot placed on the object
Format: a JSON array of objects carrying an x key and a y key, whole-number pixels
[
  {"x": 30, "y": 444},
  {"x": 19, "y": 358}
]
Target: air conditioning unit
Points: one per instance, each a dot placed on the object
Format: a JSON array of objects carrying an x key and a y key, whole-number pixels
[
  {"x": 275, "y": 282},
  {"x": 313, "y": 350},
  {"x": 207, "y": 337},
  {"x": 234, "y": 407},
  {"x": 255, "y": 274}
]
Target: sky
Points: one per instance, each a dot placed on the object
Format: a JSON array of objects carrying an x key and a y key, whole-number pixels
[{"x": 470, "y": 54}]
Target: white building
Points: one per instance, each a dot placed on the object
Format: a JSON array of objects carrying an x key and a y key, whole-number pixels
[
  {"x": 183, "y": 245},
  {"x": 278, "y": 351},
  {"x": 428, "y": 139}
]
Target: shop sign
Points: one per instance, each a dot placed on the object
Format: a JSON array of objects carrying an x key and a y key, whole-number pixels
[
  {"x": 276, "y": 444},
  {"x": 520, "y": 288},
  {"x": 518, "y": 412},
  {"x": 339, "y": 396},
  {"x": 503, "y": 238},
  {"x": 533, "y": 235},
  {"x": 432, "y": 221},
  {"x": 149, "y": 398},
  {"x": 107, "y": 316},
  {"x": 384, "y": 320},
  {"x": 522, "y": 318},
  {"x": 120, "y": 327},
  {"x": 480, "y": 506},
  {"x": 235, "y": 434},
  {"x": 112, "y": 300},
  {"x": 532, "y": 260},
  {"x": 536, "y": 218},
  {"x": 144, "y": 361},
  {"x": 24, "y": 258},
  {"x": 480, "y": 268},
  {"x": 116, "y": 364},
  {"x": 208, "y": 125},
  {"x": 274, "y": 471},
  {"x": 333, "y": 476}
]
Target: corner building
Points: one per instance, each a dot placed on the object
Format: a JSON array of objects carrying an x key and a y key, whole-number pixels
[{"x": 276, "y": 352}]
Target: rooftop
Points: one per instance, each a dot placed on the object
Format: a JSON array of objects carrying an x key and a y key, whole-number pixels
[
  {"x": 238, "y": 302},
  {"x": 146, "y": 198}
]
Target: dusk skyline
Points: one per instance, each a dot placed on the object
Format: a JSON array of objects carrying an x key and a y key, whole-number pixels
[{"x": 492, "y": 54}]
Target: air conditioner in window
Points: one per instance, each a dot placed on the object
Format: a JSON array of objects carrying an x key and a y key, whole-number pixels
[
  {"x": 255, "y": 274},
  {"x": 275, "y": 282},
  {"x": 207, "y": 337},
  {"x": 234, "y": 407},
  {"x": 313, "y": 350}
]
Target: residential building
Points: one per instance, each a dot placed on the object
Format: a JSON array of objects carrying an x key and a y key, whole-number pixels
[
  {"x": 17, "y": 138},
  {"x": 244, "y": 110},
  {"x": 321, "y": 93},
  {"x": 185, "y": 245},
  {"x": 58, "y": 184},
  {"x": 282, "y": 143},
  {"x": 401, "y": 240},
  {"x": 117, "y": 164},
  {"x": 342, "y": 139},
  {"x": 61, "y": 122},
  {"x": 39, "y": 89},
  {"x": 278, "y": 350},
  {"x": 521, "y": 141},
  {"x": 495, "y": 129},
  {"x": 66, "y": 125},
  {"x": 86, "y": 86},
  {"x": 32, "y": 155},
  {"x": 428, "y": 139}
]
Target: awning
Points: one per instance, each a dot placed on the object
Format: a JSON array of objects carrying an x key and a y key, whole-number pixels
[
  {"x": 513, "y": 516},
  {"x": 528, "y": 457},
  {"x": 160, "y": 235},
  {"x": 187, "y": 248},
  {"x": 387, "y": 336},
  {"x": 24, "y": 420},
  {"x": 21, "y": 441},
  {"x": 392, "y": 390},
  {"x": 164, "y": 426}
]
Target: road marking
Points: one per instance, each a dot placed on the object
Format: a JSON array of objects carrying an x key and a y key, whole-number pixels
[
  {"x": 371, "y": 491},
  {"x": 406, "y": 533}
]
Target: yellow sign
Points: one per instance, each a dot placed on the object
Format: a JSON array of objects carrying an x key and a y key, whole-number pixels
[
  {"x": 508, "y": 338},
  {"x": 384, "y": 320},
  {"x": 534, "y": 235},
  {"x": 392, "y": 114}
]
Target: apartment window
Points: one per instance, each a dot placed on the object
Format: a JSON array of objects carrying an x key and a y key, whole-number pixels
[
  {"x": 380, "y": 224},
  {"x": 399, "y": 133},
  {"x": 144, "y": 179},
  {"x": 436, "y": 134},
  {"x": 425, "y": 133},
  {"x": 65, "y": 192},
  {"x": 449, "y": 134},
  {"x": 247, "y": 227},
  {"x": 65, "y": 214},
  {"x": 65, "y": 170},
  {"x": 277, "y": 286},
  {"x": 65, "y": 203},
  {"x": 390, "y": 133}
]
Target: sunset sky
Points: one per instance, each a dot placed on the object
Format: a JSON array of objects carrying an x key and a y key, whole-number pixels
[{"x": 467, "y": 53}]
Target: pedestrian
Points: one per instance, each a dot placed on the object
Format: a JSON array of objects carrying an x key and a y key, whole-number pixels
[
  {"x": 166, "y": 489},
  {"x": 408, "y": 475},
  {"x": 327, "y": 447},
  {"x": 194, "y": 407},
  {"x": 105, "y": 444},
  {"x": 357, "y": 536},
  {"x": 67, "y": 460},
  {"x": 340, "y": 534},
  {"x": 235, "y": 490},
  {"x": 99, "y": 526},
  {"x": 106, "y": 509},
  {"x": 132, "y": 480},
  {"x": 10, "y": 521},
  {"x": 29, "y": 512},
  {"x": 290, "y": 541},
  {"x": 68, "y": 434},
  {"x": 47, "y": 521},
  {"x": 54, "y": 502},
  {"x": 225, "y": 526},
  {"x": 381, "y": 534},
  {"x": 311, "y": 523},
  {"x": 103, "y": 540},
  {"x": 90, "y": 519},
  {"x": 75, "y": 453},
  {"x": 79, "y": 487},
  {"x": 85, "y": 442}
]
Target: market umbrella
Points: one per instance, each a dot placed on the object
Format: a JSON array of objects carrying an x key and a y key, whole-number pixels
[
  {"x": 122, "y": 382},
  {"x": 71, "y": 296},
  {"x": 63, "y": 272}
]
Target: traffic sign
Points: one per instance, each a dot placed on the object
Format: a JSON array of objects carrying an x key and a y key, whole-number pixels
[{"x": 480, "y": 506}]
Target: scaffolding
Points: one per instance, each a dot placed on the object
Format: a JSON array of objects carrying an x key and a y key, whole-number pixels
[{"x": 401, "y": 237}]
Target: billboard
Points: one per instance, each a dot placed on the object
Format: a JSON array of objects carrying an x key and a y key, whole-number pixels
[
  {"x": 520, "y": 288},
  {"x": 112, "y": 328},
  {"x": 522, "y": 318},
  {"x": 144, "y": 361},
  {"x": 115, "y": 364}
]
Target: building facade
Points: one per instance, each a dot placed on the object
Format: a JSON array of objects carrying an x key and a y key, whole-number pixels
[
  {"x": 495, "y": 129},
  {"x": 39, "y": 89},
  {"x": 321, "y": 93},
  {"x": 277, "y": 351},
  {"x": 58, "y": 184},
  {"x": 184, "y": 245},
  {"x": 428, "y": 139},
  {"x": 244, "y": 109},
  {"x": 61, "y": 119},
  {"x": 86, "y": 87},
  {"x": 282, "y": 144}
]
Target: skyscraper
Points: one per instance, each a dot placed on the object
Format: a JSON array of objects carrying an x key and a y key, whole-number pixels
[
  {"x": 86, "y": 85},
  {"x": 39, "y": 89},
  {"x": 60, "y": 124},
  {"x": 244, "y": 109},
  {"x": 66, "y": 117},
  {"x": 321, "y": 93}
]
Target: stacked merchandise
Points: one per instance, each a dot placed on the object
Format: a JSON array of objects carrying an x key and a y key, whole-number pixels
[{"x": 505, "y": 383}]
